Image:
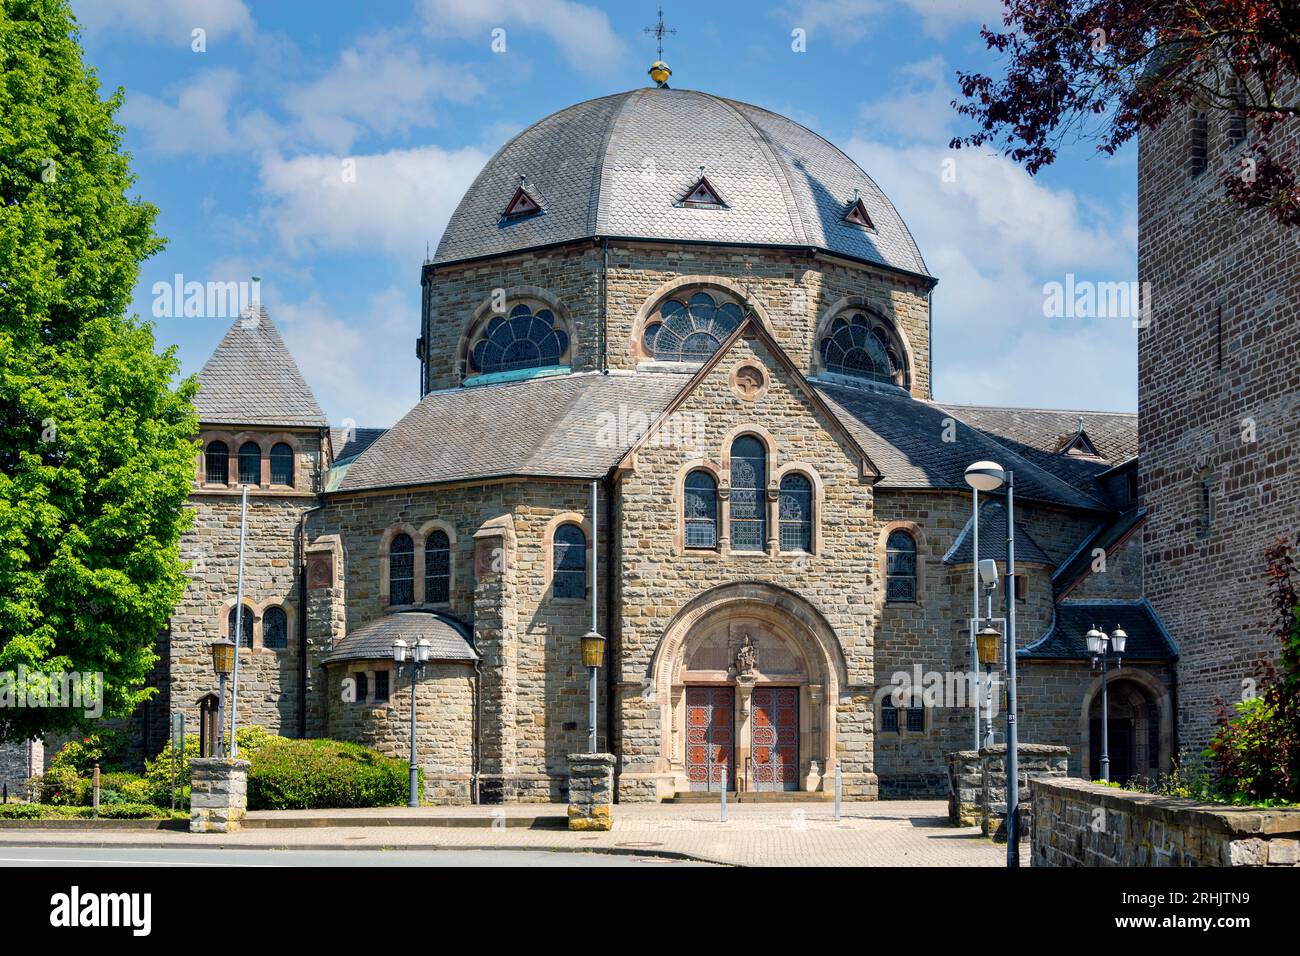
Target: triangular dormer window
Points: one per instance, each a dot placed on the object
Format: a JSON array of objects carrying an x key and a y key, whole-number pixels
[
  {"x": 522, "y": 204},
  {"x": 703, "y": 195},
  {"x": 1079, "y": 445},
  {"x": 857, "y": 214}
]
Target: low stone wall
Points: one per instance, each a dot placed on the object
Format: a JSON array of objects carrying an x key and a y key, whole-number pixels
[
  {"x": 1087, "y": 824},
  {"x": 1033, "y": 762},
  {"x": 18, "y": 762},
  {"x": 977, "y": 784}
]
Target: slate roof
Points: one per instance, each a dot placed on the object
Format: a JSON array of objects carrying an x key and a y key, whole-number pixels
[
  {"x": 1107, "y": 535},
  {"x": 348, "y": 443},
  {"x": 251, "y": 379},
  {"x": 1064, "y": 640},
  {"x": 993, "y": 539},
  {"x": 617, "y": 166},
  {"x": 374, "y": 641},
  {"x": 1038, "y": 433},
  {"x": 904, "y": 437},
  {"x": 571, "y": 426}
]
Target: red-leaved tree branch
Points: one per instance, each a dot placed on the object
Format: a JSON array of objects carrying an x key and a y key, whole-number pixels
[{"x": 1102, "y": 70}]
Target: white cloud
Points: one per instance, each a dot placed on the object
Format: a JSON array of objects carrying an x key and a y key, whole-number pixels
[
  {"x": 397, "y": 201},
  {"x": 383, "y": 84},
  {"x": 198, "y": 122},
  {"x": 582, "y": 33},
  {"x": 848, "y": 21},
  {"x": 363, "y": 368},
  {"x": 170, "y": 22},
  {"x": 918, "y": 107},
  {"x": 993, "y": 237}
]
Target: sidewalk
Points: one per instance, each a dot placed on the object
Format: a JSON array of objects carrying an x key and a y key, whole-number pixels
[{"x": 887, "y": 833}]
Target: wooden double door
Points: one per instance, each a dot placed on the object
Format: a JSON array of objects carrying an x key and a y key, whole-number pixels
[{"x": 711, "y": 738}]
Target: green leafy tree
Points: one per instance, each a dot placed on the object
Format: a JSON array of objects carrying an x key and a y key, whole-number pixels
[{"x": 96, "y": 447}]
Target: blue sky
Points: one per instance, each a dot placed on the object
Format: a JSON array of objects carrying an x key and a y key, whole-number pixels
[{"x": 242, "y": 147}]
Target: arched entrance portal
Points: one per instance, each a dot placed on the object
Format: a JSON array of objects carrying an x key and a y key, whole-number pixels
[
  {"x": 1140, "y": 723},
  {"x": 747, "y": 677}
]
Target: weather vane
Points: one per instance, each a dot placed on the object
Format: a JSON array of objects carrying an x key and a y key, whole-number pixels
[{"x": 659, "y": 31}]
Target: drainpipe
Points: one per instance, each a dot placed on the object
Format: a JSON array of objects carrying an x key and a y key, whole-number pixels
[
  {"x": 476, "y": 756},
  {"x": 611, "y": 708},
  {"x": 302, "y": 620},
  {"x": 604, "y": 319},
  {"x": 929, "y": 338}
]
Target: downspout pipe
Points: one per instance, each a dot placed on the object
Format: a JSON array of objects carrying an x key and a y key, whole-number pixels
[{"x": 611, "y": 668}]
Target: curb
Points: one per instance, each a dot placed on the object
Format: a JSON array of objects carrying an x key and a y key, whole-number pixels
[
  {"x": 330, "y": 847},
  {"x": 538, "y": 822}
]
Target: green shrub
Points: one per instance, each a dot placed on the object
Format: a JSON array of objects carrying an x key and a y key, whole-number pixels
[
  {"x": 106, "y": 748},
  {"x": 124, "y": 788},
  {"x": 20, "y": 811},
  {"x": 131, "y": 811},
  {"x": 1255, "y": 748},
  {"x": 158, "y": 772},
  {"x": 321, "y": 774},
  {"x": 63, "y": 787}
]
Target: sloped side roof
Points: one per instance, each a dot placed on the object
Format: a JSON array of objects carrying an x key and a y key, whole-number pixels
[
  {"x": 1038, "y": 433},
  {"x": 617, "y": 166},
  {"x": 1107, "y": 536},
  {"x": 374, "y": 641},
  {"x": 906, "y": 439},
  {"x": 572, "y": 426},
  {"x": 251, "y": 379},
  {"x": 1065, "y": 639},
  {"x": 993, "y": 540}
]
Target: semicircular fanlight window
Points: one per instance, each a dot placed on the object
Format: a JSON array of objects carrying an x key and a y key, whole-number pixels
[
  {"x": 521, "y": 340},
  {"x": 864, "y": 348},
  {"x": 691, "y": 330}
]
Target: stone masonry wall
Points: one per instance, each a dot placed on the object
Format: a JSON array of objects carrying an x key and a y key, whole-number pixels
[
  {"x": 794, "y": 289},
  {"x": 1086, "y": 824},
  {"x": 1219, "y": 408}
]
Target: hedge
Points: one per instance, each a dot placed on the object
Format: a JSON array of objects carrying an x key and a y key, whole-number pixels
[{"x": 323, "y": 774}]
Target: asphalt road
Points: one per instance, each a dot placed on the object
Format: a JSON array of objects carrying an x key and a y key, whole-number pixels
[{"x": 11, "y": 856}]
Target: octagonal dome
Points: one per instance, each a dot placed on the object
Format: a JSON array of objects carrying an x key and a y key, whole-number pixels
[{"x": 628, "y": 166}]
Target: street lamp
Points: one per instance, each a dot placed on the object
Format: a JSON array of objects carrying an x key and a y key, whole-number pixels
[
  {"x": 418, "y": 657},
  {"x": 986, "y": 644},
  {"x": 593, "y": 656},
  {"x": 223, "y": 662},
  {"x": 1103, "y": 649},
  {"x": 981, "y": 476}
]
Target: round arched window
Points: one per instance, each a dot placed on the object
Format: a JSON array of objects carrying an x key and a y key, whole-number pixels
[
  {"x": 526, "y": 338},
  {"x": 690, "y": 329},
  {"x": 864, "y": 346}
]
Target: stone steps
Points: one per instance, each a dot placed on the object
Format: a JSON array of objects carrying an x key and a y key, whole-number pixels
[{"x": 752, "y": 796}]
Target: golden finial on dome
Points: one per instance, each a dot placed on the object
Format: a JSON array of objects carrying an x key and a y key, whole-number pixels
[{"x": 659, "y": 71}]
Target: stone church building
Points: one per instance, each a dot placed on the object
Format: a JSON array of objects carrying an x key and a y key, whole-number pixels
[{"x": 717, "y": 320}]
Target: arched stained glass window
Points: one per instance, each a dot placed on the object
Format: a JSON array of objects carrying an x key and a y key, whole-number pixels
[
  {"x": 281, "y": 464},
  {"x": 524, "y": 339},
  {"x": 401, "y": 570},
  {"x": 864, "y": 347},
  {"x": 692, "y": 330},
  {"x": 900, "y": 567},
  {"x": 748, "y": 494},
  {"x": 795, "y": 511},
  {"x": 437, "y": 568},
  {"x": 701, "y": 510},
  {"x": 216, "y": 463},
  {"x": 250, "y": 463},
  {"x": 569, "y": 562},
  {"x": 245, "y": 625},
  {"x": 275, "y": 629}
]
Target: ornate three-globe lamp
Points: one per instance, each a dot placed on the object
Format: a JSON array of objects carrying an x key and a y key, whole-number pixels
[
  {"x": 418, "y": 657},
  {"x": 1105, "y": 648}
]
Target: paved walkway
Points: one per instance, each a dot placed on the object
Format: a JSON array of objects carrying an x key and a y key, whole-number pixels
[{"x": 886, "y": 833}]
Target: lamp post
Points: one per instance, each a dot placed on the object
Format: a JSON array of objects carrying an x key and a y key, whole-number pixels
[
  {"x": 981, "y": 476},
  {"x": 223, "y": 661},
  {"x": 593, "y": 644},
  {"x": 1103, "y": 648},
  {"x": 419, "y": 655},
  {"x": 986, "y": 643}
]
